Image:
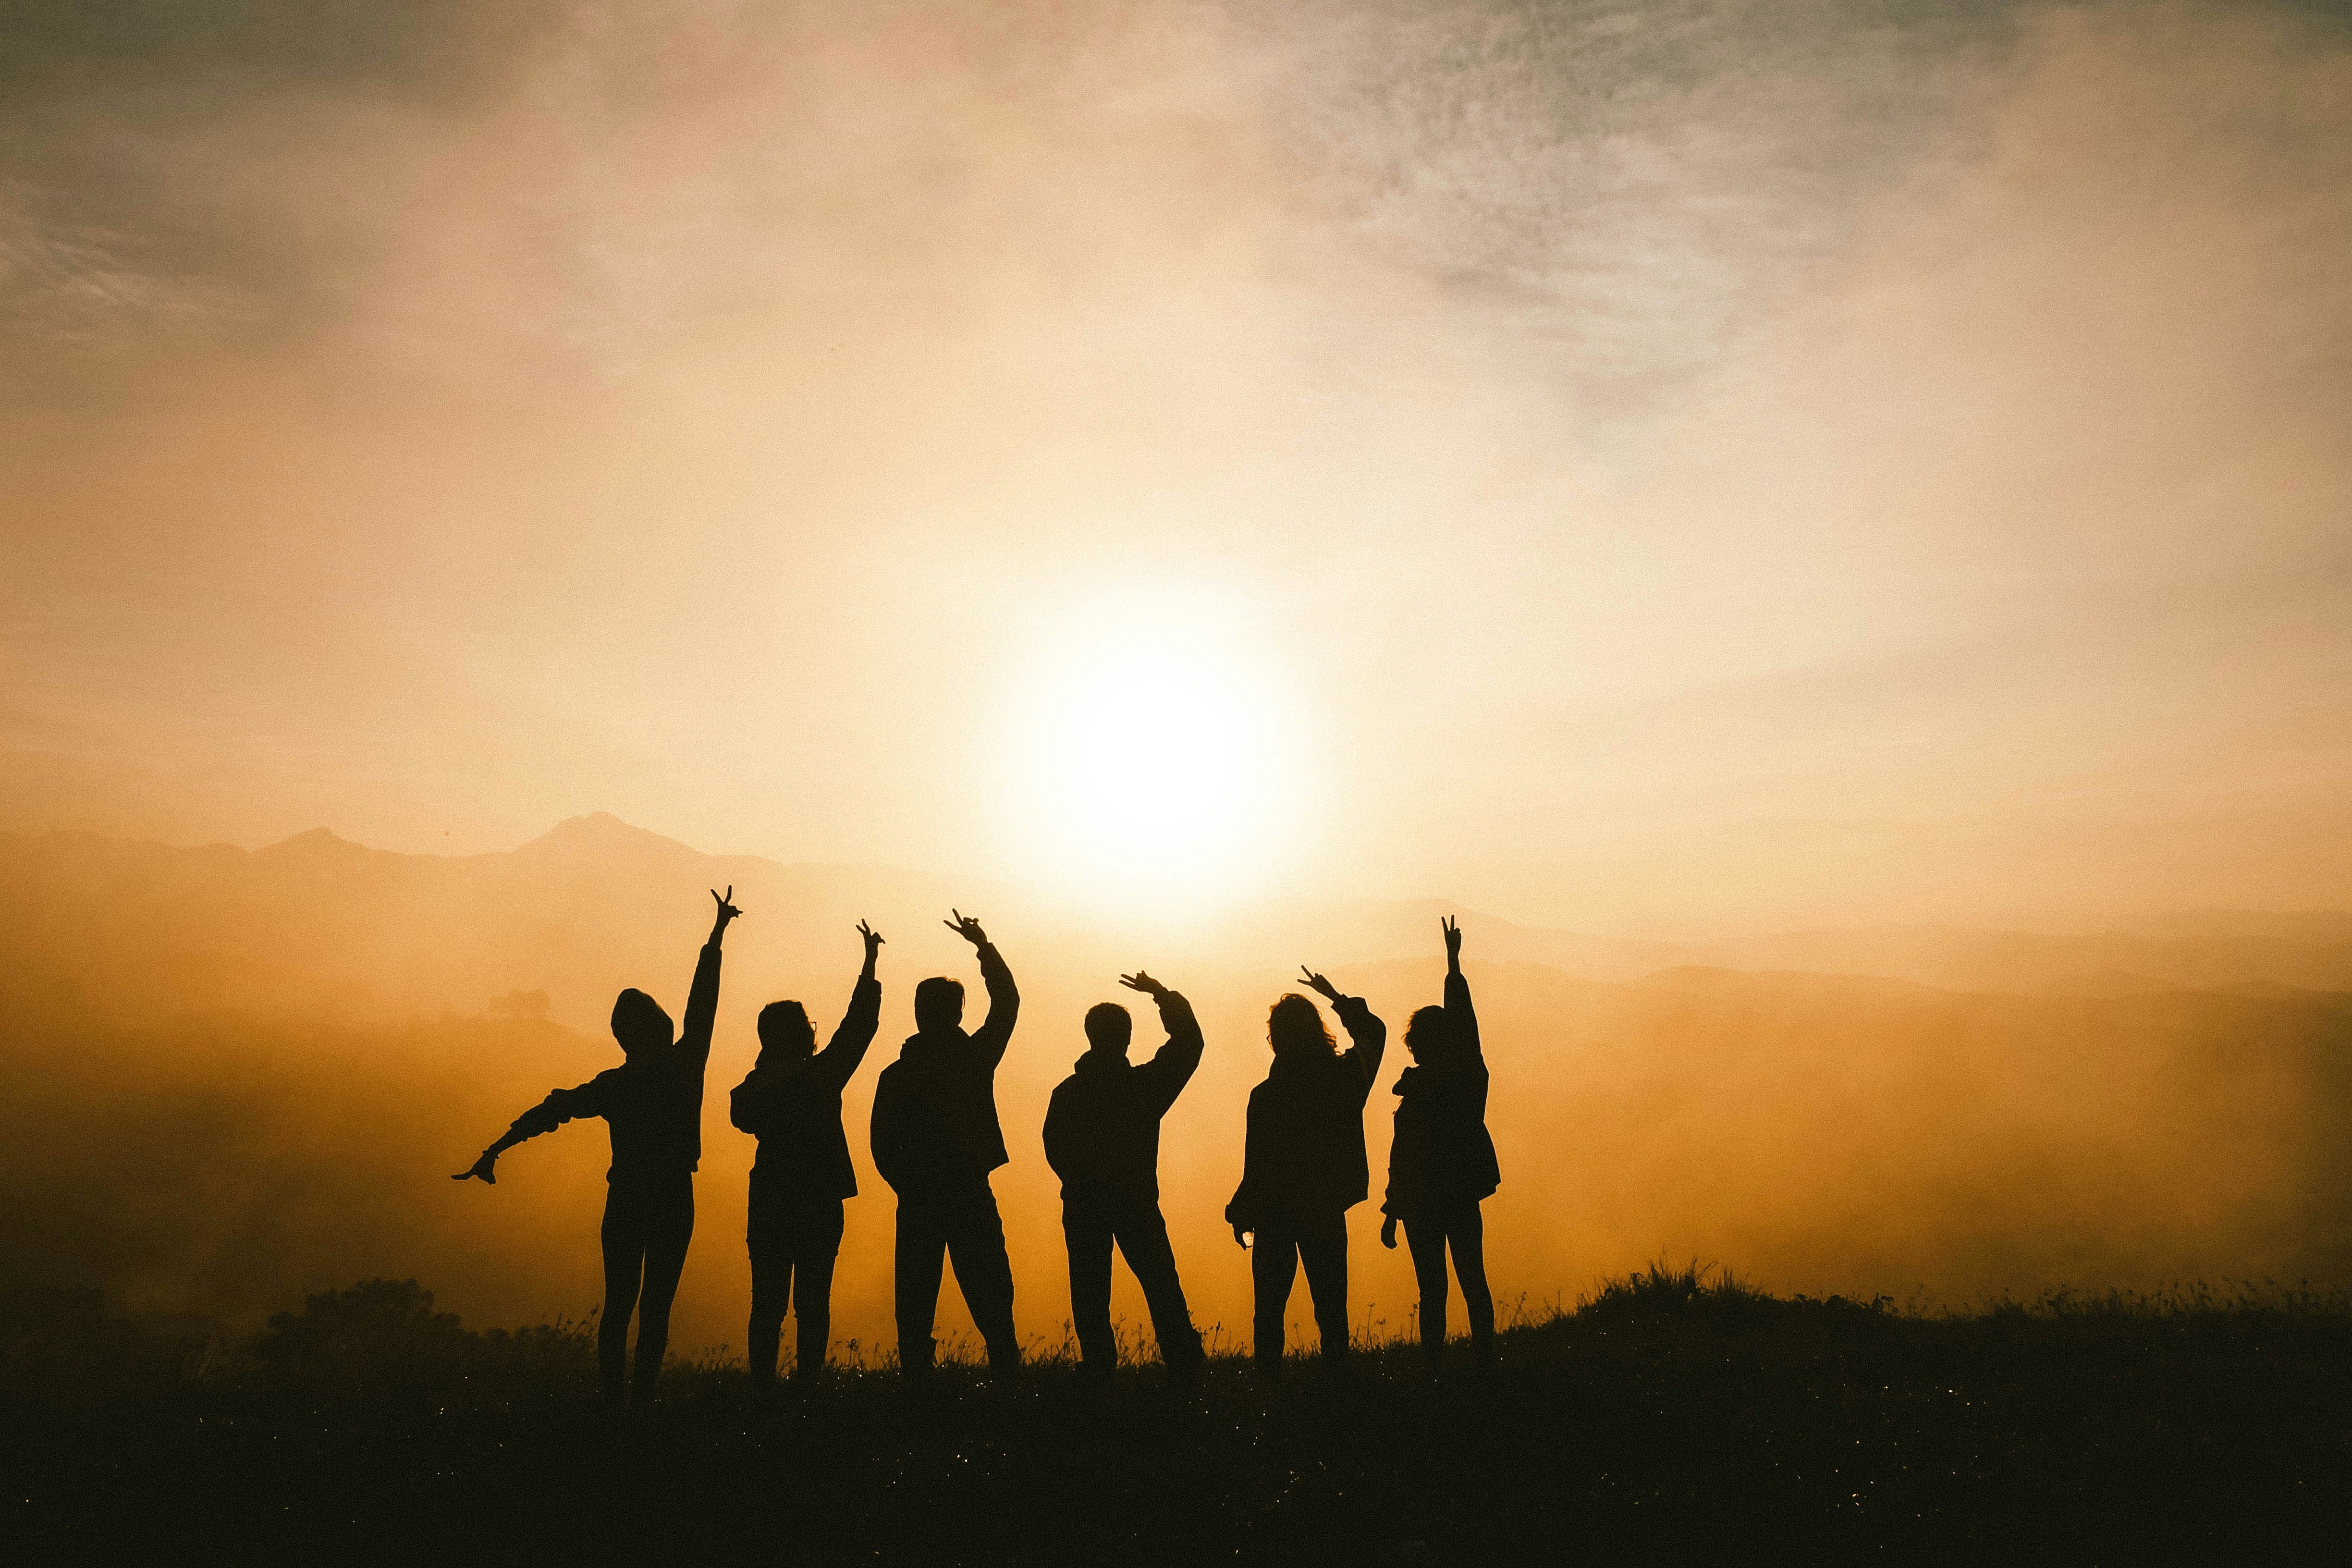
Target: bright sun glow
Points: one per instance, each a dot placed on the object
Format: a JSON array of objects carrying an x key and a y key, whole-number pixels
[{"x": 1154, "y": 767}]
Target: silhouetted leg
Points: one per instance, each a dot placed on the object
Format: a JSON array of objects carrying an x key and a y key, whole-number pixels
[
  {"x": 920, "y": 1251},
  {"x": 818, "y": 1243},
  {"x": 1468, "y": 1234},
  {"x": 1323, "y": 1248},
  {"x": 1143, "y": 1242},
  {"x": 1087, "y": 1232},
  {"x": 1425, "y": 1235},
  {"x": 1274, "y": 1266},
  {"x": 672, "y": 1228},
  {"x": 772, "y": 1284},
  {"x": 984, "y": 1273},
  {"x": 624, "y": 1238}
]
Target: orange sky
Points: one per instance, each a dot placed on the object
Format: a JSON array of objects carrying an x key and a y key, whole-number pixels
[{"x": 1671, "y": 468}]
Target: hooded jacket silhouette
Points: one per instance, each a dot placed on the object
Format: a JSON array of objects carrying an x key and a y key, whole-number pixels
[
  {"x": 653, "y": 1105},
  {"x": 1102, "y": 1138}
]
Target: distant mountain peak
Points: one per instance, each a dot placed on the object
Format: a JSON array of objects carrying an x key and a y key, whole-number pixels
[
  {"x": 602, "y": 835},
  {"x": 316, "y": 841}
]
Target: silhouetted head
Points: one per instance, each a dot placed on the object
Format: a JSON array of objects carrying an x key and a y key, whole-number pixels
[
  {"x": 640, "y": 1025},
  {"x": 939, "y": 1005},
  {"x": 1428, "y": 1032},
  {"x": 784, "y": 1032},
  {"x": 1295, "y": 1026},
  {"x": 1108, "y": 1027}
]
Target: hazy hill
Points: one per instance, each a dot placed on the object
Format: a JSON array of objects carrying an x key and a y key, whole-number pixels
[{"x": 243, "y": 1075}]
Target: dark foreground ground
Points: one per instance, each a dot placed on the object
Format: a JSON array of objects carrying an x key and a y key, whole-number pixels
[{"x": 1667, "y": 1420}]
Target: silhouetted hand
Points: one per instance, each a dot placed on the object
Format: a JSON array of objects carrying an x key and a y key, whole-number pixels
[
  {"x": 1241, "y": 1237},
  {"x": 1388, "y": 1232},
  {"x": 1139, "y": 981},
  {"x": 873, "y": 942},
  {"x": 727, "y": 910},
  {"x": 964, "y": 926},
  {"x": 1317, "y": 983},
  {"x": 1453, "y": 929},
  {"x": 484, "y": 1169}
]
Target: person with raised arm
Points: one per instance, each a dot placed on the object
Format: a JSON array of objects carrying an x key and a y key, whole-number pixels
[
  {"x": 792, "y": 1102},
  {"x": 1441, "y": 1162},
  {"x": 1102, "y": 1138},
  {"x": 652, "y": 1104},
  {"x": 1303, "y": 1165},
  {"x": 935, "y": 1139}
]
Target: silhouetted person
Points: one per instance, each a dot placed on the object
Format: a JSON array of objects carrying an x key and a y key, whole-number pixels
[
  {"x": 1442, "y": 1161},
  {"x": 1302, "y": 1167},
  {"x": 1102, "y": 1138},
  {"x": 935, "y": 1139},
  {"x": 791, "y": 1103},
  {"x": 653, "y": 1104}
]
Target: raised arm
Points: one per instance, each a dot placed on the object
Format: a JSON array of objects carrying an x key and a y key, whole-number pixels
[
  {"x": 1367, "y": 1035},
  {"x": 839, "y": 1061},
  {"x": 561, "y": 1106},
  {"x": 702, "y": 997},
  {"x": 1172, "y": 1065},
  {"x": 1004, "y": 1000},
  {"x": 1459, "y": 1014}
]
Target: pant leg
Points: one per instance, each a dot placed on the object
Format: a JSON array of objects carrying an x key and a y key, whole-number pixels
[
  {"x": 624, "y": 1239},
  {"x": 668, "y": 1237},
  {"x": 1274, "y": 1267},
  {"x": 1465, "y": 1233},
  {"x": 816, "y": 1247},
  {"x": 1143, "y": 1242},
  {"x": 985, "y": 1272},
  {"x": 918, "y": 1254},
  {"x": 1323, "y": 1248},
  {"x": 1087, "y": 1232},
  {"x": 1425, "y": 1235},
  {"x": 772, "y": 1280}
]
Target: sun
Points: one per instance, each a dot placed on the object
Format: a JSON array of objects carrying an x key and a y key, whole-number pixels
[
  {"x": 1158, "y": 756},
  {"x": 1154, "y": 768}
]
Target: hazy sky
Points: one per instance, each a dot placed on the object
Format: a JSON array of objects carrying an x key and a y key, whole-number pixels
[{"x": 1658, "y": 467}]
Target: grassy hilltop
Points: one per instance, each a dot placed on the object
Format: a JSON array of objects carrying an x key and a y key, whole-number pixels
[{"x": 1673, "y": 1416}]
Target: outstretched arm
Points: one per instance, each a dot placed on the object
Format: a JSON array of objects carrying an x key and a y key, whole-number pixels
[
  {"x": 563, "y": 1105},
  {"x": 702, "y": 997},
  {"x": 1004, "y": 998},
  {"x": 1458, "y": 1011},
  {"x": 839, "y": 1059}
]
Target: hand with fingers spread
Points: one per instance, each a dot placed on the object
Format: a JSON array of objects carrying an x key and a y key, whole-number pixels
[
  {"x": 1317, "y": 984},
  {"x": 966, "y": 927},
  {"x": 727, "y": 910},
  {"x": 873, "y": 942},
  {"x": 1139, "y": 981},
  {"x": 1453, "y": 929}
]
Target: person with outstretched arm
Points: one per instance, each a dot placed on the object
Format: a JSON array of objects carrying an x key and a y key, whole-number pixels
[
  {"x": 935, "y": 1139},
  {"x": 1303, "y": 1165},
  {"x": 652, "y": 1104},
  {"x": 1102, "y": 1138},
  {"x": 791, "y": 1103},
  {"x": 1441, "y": 1162}
]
